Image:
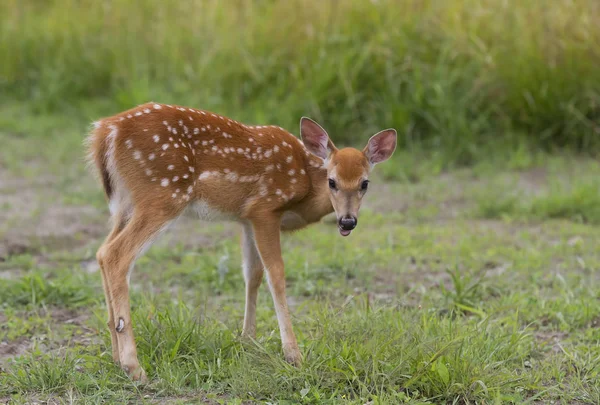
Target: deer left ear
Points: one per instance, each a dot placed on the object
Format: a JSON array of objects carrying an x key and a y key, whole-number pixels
[{"x": 381, "y": 146}]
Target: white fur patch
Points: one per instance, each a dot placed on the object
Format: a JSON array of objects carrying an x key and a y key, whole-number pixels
[{"x": 203, "y": 210}]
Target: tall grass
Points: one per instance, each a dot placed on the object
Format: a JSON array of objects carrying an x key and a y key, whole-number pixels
[{"x": 452, "y": 75}]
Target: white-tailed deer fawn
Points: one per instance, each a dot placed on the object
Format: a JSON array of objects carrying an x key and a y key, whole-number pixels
[{"x": 159, "y": 161}]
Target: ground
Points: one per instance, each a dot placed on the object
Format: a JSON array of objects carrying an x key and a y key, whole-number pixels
[{"x": 476, "y": 285}]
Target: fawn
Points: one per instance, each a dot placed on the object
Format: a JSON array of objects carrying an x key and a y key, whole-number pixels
[{"x": 159, "y": 161}]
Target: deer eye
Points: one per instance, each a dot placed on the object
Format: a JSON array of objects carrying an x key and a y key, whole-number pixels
[
  {"x": 364, "y": 185},
  {"x": 332, "y": 184}
]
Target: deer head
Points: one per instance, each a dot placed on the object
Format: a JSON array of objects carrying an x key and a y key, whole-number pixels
[{"x": 348, "y": 169}]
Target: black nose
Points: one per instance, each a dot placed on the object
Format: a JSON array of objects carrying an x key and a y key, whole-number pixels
[{"x": 348, "y": 223}]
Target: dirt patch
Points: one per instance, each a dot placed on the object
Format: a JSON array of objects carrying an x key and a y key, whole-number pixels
[
  {"x": 59, "y": 318},
  {"x": 34, "y": 218},
  {"x": 533, "y": 180},
  {"x": 550, "y": 339},
  {"x": 14, "y": 348}
]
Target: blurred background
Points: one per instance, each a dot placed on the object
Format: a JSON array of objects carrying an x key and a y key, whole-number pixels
[
  {"x": 462, "y": 80},
  {"x": 472, "y": 278}
]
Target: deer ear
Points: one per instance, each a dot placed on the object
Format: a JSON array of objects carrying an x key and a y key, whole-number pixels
[
  {"x": 381, "y": 146},
  {"x": 315, "y": 138}
]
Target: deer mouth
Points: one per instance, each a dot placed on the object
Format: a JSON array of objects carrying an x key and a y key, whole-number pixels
[{"x": 344, "y": 232}]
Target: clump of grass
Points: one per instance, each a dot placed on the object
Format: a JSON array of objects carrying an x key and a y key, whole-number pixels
[
  {"x": 578, "y": 202},
  {"x": 36, "y": 289},
  {"x": 356, "y": 354},
  {"x": 451, "y": 76},
  {"x": 43, "y": 374},
  {"x": 581, "y": 203}
]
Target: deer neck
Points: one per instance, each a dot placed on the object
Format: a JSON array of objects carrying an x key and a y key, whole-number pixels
[{"x": 316, "y": 204}]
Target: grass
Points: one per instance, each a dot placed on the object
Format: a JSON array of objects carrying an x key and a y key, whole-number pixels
[
  {"x": 379, "y": 329},
  {"x": 457, "y": 77},
  {"x": 471, "y": 279},
  {"x": 576, "y": 198},
  {"x": 446, "y": 294}
]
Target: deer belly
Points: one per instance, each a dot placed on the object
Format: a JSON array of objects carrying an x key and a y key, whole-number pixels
[
  {"x": 206, "y": 212},
  {"x": 291, "y": 220}
]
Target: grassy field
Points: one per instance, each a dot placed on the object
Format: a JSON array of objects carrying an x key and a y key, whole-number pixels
[
  {"x": 459, "y": 76},
  {"x": 473, "y": 286},
  {"x": 472, "y": 278}
]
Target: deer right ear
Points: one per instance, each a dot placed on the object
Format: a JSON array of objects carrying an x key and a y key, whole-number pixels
[{"x": 315, "y": 138}]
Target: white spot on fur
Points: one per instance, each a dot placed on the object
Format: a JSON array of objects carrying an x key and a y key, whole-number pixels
[
  {"x": 165, "y": 146},
  {"x": 164, "y": 182},
  {"x": 170, "y": 167},
  {"x": 263, "y": 190},
  {"x": 137, "y": 154},
  {"x": 157, "y": 107},
  {"x": 151, "y": 156}
]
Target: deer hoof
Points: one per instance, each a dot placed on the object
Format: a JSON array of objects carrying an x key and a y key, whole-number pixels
[
  {"x": 136, "y": 373},
  {"x": 293, "y": 357}
]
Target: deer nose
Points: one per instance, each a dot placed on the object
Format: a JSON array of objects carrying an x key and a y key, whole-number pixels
[{"x": 348, "y": 223}]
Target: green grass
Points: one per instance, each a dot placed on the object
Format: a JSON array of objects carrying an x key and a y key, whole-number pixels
[
  {"x": 425, "y": 303},
  {"x": 576, "y": 198},
  {"x": 462, "y": 284},
  {"x": 455, "y": 77},
  {"x": 381, "y": 328}
]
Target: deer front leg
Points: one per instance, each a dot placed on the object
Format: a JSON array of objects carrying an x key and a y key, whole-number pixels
[
  {"x": 267, "y": 238},
  {"x": 253, "y": 275}
]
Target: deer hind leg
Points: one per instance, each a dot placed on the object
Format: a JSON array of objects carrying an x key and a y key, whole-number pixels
[
  {"x": 119, "y": 224},
  {"x": 253, "y": 274},
  {"x": 117, "y": 258}
]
